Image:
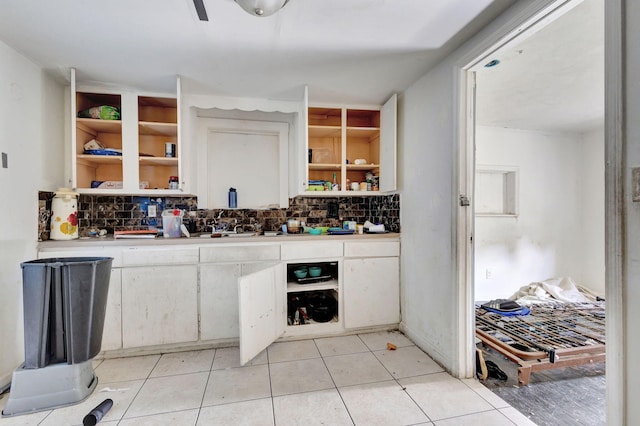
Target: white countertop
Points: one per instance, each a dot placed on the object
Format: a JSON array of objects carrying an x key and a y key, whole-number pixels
[{"x": 110, "y": 241}]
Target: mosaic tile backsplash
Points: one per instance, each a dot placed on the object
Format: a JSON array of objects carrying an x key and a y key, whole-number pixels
[{"x": 127, "y": 212}]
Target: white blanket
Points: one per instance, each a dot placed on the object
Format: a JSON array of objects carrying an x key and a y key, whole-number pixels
[{"x": 554, "y": 289}]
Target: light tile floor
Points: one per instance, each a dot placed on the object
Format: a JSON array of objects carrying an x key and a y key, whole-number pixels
[{"x": 350, "y": 380}]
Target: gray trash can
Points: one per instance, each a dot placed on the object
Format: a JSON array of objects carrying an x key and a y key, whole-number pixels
[{"x": 64, "y": 308}]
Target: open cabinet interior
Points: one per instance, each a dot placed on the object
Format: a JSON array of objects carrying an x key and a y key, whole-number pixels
[
  {"x": 157, "y": 141},
  {"x": 344, "y": 148},
  {"x": 287, "y": 298},
  {"x": 98, "y": 144}
]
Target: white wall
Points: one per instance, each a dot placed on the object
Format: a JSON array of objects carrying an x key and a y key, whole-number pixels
[
  {"x": 592, "y": 212},
  {"x": 561, "y": 182},
  {"x": 428, "y": 180},
  {"x": 425, "y": 155},
  {"x": 32, "y": 134},
  {"x": 631, "y": 221}
]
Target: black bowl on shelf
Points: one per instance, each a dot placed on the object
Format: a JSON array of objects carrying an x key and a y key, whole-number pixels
[{"x": 321, "y": 307}]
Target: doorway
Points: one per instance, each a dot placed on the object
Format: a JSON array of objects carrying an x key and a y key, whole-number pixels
[{"x": 516, "y": 240}]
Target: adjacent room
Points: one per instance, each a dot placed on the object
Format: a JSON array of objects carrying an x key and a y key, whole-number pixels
[{"x": 539, "y": 216}]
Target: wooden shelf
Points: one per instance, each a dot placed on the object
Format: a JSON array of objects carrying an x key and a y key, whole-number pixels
[
  {"x": 99, "y": 159},
  {"x": 319, "y": 166},
  {"x": 101, "y": 126},
  {"x": 146, "y": 192},
  {"x": 158, "y": 161},
  {"x": 338, "y": 193},
  {"x": 294, "y": 287},
  {"x": 362, "y": 132},
  {"x": 157, "y": 129},
  {"x": 324, "y": 131},
  {"x": 362, "y": 167}
]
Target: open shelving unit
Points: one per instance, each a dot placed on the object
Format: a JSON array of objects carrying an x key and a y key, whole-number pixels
[
  {"x": 157, "y": 125},
  {"x": 97, "y": 168},
  {"x": 301, "y": 292},
  {"x": 337, "y": 137}
]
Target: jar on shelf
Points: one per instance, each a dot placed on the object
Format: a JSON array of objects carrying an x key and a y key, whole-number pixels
[{"x": 173, "y": 182}]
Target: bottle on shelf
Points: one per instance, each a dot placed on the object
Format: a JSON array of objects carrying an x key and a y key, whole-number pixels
[{"x": 335, "y": 186}]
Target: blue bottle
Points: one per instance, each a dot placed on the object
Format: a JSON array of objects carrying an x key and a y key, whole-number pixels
[{"x": 233, "y": 198}]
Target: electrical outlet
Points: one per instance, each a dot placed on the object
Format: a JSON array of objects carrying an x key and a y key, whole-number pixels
[
  {"x": 151, "y": 210},
  {"x": 488, "y": 274},
  {"x": 332, "y": 210}
]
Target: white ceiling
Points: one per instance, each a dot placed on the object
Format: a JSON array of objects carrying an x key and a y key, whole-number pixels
[
  {"x": 552, "y": 81},
  {"x": 353, "y": 51}
]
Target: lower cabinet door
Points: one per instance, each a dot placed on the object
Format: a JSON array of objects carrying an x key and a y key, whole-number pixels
[
  {"x": 159, "y": 305},
  {"x": 112, "y": 330},
  {"x": 261, "y": 294},
  {"x": 371, "y": 291}
]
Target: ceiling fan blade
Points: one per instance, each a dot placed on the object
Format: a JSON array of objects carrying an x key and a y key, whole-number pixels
[{"x": 200, "y": 10}]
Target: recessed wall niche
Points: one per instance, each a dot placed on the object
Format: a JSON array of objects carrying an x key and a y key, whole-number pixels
[{"x": 496, "y": 191}]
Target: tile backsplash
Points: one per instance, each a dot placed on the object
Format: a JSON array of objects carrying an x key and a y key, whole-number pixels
[{"x": 130, "y": 212}]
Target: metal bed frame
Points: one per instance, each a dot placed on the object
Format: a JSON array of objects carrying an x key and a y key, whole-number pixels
[{"x": 554, "y": 335}]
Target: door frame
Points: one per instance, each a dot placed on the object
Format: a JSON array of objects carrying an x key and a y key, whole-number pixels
[{"x": 531, "y": 19}]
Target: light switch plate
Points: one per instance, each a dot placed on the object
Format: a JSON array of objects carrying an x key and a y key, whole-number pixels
[
  {"x": 151, "y": 210},
  {"x": 5, "y": 160}
]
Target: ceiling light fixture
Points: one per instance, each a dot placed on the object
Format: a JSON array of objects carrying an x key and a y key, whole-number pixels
[{"x": 261, "y": 8}]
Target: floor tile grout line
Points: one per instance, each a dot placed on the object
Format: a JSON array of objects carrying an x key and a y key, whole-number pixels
[
  {"x": 404, "y": 389},
  {"x": 156, "y": 414},
  {"x": 334, "y": 383},
  {"x": 273, "y": 405},
  {"x": 481, "y": 396},
  {"x": 517, "y": 411},
  {"x": 139, "y": 390},
  {"x": 206, "y": 385},
  {"x": 473, "y": 414}
]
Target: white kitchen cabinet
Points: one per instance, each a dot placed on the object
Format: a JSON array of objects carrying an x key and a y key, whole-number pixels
[
  {"x": 159, "y": 305},
  {"x": 112, "y": 331},
  {"x": 311, "y": 250},
  {"x": 147, "y": 122},
  {"x": 371, "y": 292},
  {"x": 372, "y": 249},
  {"x": 147, "y": 256},
  {"x": 371, "y": 284},
  {"x": 224, "y": 292},
  {"x": 262, "y": 309},
  {"x": 220, "y": 269},
  {"x": 248, "y": 307},
  {"x": 240, "y": 253},
  {"x": 345, "y": 144},
  {"x": 219, "y": 300}
]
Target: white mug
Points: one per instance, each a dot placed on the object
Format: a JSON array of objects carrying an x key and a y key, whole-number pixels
[{"x": 355, "y": 186}]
